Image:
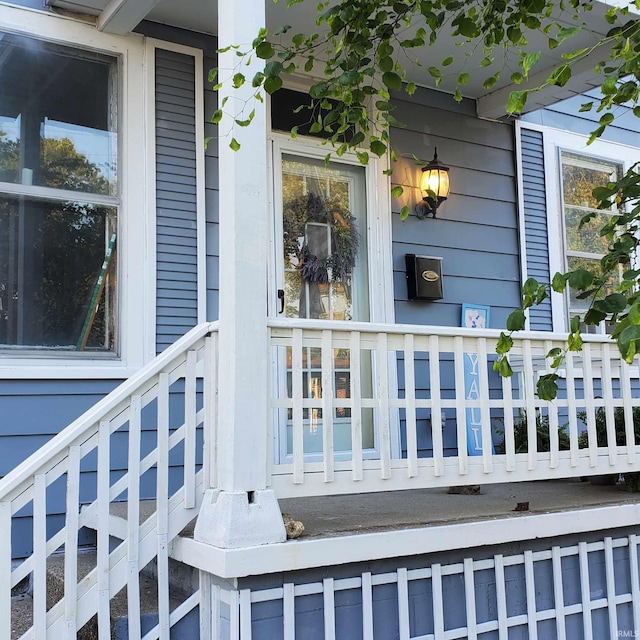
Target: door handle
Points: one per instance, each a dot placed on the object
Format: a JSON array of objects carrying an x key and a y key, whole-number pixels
[{"x": 281, "y": 298}]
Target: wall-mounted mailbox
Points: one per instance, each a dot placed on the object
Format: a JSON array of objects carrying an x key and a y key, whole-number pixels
[{"x": 424, "y": 277}]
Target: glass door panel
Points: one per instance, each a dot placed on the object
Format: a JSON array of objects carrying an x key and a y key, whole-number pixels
[{"x": 323, "y": 270}]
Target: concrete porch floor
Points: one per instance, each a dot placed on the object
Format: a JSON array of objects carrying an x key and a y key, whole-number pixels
[{"x": 331, "y": 516}]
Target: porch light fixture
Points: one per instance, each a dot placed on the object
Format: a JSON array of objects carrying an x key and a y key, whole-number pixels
[{"x": 434, "y": 187}]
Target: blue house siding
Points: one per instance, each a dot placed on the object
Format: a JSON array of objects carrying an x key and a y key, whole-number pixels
[
  {"x": 460, "y": 579},
  {"x": 535, "y": 215},
  {"x": 566, "y": 114},
  {"x": 33, "y": 411},
  {"x": 186, "y": 270},
  {"x": 475, "y": 231},
  {"x": 176, "y": 197}
]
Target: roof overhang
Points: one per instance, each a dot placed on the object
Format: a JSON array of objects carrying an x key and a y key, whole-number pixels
[{"x": 122, "y": 16}]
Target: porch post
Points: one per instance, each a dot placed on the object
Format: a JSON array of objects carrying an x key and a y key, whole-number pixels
[{"x": 240, "y": 511}]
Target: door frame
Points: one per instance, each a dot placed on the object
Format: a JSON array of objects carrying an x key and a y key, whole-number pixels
[{"x": 378, "y": 254}]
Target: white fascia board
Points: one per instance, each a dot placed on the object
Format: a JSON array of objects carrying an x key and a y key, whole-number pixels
[
  {"x": 308, "y": 554},
  {"x": 122, "y": 16}
]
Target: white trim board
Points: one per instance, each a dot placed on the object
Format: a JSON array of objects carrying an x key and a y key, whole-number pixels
[{"x": 309, "y": 554}]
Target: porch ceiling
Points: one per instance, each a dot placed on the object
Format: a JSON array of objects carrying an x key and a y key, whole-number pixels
[{"x": 121, "y": 16}]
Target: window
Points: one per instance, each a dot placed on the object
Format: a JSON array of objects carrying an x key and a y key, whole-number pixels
[
  {"x": 58, "y": 197},
  {"x": 559, "y": 171},
  {"x": 74, "y": 200},
  {"x": 584, "y": 247}
]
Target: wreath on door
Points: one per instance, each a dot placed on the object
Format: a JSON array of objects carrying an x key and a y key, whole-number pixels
[{"x": 336, "y": 267}]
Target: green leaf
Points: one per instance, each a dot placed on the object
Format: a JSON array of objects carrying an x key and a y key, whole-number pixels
[
  {"x": 594, "y": 317},
  {"x": 567, "y": 32},
  {"x": 505, "y": 342},
  {"x": 447, "y": 61},
  {"x": 273, "y": 68},
  {"x": 318, "y": 90},
  {"x": 217, "y": 116},
  {"x": 560, "y": 76},
  {"x": 463, "y": 78},
  {"x": 272, "y": 84},
  {"x": 265, "y": 51},
  {"x": 378, "y": 147},
  {"x": 547, "y": 386},
  {"x": 234, "y": 144},
  {"x": 616, "y": 302},
  {"x": 392, "y": 80},
  {"x": 586, "y": 106},
  {"x": 404, "y": 212},
  {"x": 527, "y": 61},
  {"x": 238, "y": 80},
  {"x": 516, "y": 101},
  {"x": 634, "y": 313},
  {"x": 385, "y": 64},
  {"x": 258, "y": 79},
  {"x": 517, "y": 78},
  {"x": 575, "y": 324},
  {"x": 397, "y": 191},
  {"x": 502, "y": 366},
  {"x": 410, "y": 88},
  {"x": 363, "y": 157},
  {"x": 580, "y": 279},
  {"x": 516, "y": 320},
  {"x": 466, "y": 27},
  {"x": 606, "y": 118}
]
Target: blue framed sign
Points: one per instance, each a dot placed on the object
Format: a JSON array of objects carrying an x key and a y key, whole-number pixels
[{"x": 474, "y": 316}]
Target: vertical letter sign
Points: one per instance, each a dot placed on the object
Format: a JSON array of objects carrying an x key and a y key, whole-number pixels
[{"x": 474, "y": 316}]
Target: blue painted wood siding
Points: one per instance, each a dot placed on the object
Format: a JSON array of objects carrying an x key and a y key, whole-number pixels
[
  {"x": 535, "y": 216},
  {"x": 176, "y": 197},
  {"x": 476, "y": 229},
  {"x": 522, "y": 590},
  {"x": 475, "y": 232},
  {"x": 567, "y": 115}
]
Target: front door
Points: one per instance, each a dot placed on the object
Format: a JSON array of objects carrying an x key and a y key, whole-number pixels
[{"x": 322, "y": 273}]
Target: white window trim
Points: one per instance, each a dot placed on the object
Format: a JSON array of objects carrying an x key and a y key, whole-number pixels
[
  {"x": 133, "y": 213},
  {"x": 555, "y": 141}
]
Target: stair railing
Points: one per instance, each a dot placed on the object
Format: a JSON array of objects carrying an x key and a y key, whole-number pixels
[{"x": 143, "y": 440}]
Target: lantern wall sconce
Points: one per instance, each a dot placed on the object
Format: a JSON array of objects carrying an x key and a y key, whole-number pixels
[{"x": 434, "y": 186}]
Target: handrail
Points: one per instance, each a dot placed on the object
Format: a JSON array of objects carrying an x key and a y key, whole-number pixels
[
  {"x": 73, "y": 431},
  {"x": 422, "y": 330}
]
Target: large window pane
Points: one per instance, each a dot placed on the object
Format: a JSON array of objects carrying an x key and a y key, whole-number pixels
[
  {"x": 584, "y": 246},
  {"x": 57, "y": 116},
  {"x": 57, "y": 289}
]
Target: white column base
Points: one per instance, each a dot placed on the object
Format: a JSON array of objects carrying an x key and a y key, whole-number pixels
[{"x": 228, "y": 520}]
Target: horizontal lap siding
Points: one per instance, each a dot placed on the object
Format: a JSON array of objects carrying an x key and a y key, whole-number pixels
[
  {"x": 566, "y": 114},
  {"x": 176, "y": 197},
  {"x": 33, "y": 411},
  {"x": 535, "y": 586},
  {"x": 475, "y": 231},
  {"x": 535, "y": 216}
]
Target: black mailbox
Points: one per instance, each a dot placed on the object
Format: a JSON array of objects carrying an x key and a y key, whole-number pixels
[{"x": 424, "y": 277}]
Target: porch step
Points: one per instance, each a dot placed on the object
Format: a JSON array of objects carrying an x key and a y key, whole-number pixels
[{"x": 181, "y": 580}]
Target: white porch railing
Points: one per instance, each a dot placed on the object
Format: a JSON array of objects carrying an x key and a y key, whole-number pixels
[
  {"x": 334, "y": 379},
  {"x": 151, "y": 423}
]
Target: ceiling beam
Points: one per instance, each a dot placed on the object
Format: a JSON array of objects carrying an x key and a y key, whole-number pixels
[{"x": 122, "y": 16}]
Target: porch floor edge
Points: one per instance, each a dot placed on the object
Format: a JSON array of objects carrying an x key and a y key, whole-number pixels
[{"x": 362, "y": 547}]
